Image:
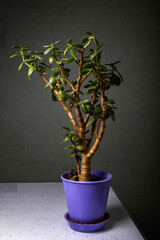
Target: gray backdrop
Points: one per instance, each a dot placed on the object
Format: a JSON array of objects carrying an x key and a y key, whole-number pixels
[{"x": 30, "y": 123}]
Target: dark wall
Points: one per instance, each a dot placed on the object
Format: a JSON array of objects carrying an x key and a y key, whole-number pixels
[{"x": 30, "y": 123}]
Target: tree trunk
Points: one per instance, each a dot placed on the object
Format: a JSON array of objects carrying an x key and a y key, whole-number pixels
[{"x": 85, "y": 169}]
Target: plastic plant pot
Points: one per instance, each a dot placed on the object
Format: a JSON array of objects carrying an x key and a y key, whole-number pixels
[{"x": 86, "y": 201}]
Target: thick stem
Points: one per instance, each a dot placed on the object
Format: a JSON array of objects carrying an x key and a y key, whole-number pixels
[
  {"x": 97, "y": 128},
  {"x": 91, "y": 134},
  {"x": 85, "y": 169},
  {"x": 98, "y": 139},
  {"x": 79, "y": 115},
  {"x": 75, "y": 125},
  {"x": 78, "y": 166}
]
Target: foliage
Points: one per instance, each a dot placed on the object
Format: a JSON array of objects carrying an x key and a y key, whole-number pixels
[{"x": 95, "y": 104}]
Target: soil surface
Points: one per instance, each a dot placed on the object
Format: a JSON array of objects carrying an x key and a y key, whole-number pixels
[{"x": 93, "y": 178}]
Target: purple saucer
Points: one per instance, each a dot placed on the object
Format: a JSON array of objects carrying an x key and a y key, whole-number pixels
[{"x": 86, "y": 227}]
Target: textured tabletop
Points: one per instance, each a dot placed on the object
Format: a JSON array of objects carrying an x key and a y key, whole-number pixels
[{"x": 34, "y": 211}]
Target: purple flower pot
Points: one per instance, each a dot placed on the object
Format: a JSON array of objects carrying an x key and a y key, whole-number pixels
[{"x": 86, "y": 201}]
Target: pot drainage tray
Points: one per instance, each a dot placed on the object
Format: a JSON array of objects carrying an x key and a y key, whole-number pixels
[{"x": 86, "y": 227}]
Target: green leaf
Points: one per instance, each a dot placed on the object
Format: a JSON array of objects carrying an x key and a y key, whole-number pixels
[
  {"x": 84, "y": 39},
  {"x": 89, "y": 33},
  {"x": 52, "y": 81},
  {"x": 75, "y": 138},
  {"x": 69, "y": 147},
  {"x": 55, "y": 43},
  {"x": 60, "y": 87},
  {"x": 73, "y": 54},
  {"x": 63, "y": 80},
  {"x": 46, "y": 46},
  {"x": 40, "y": 58},
  {"x": 90, "y": 122},
  {"x": 69, "y": 60},
  {"x": 93, "y": 55},
  {"x": 96, "y": 42},
  {"x": 30, "y": 71},
  {"x": 74, "y": 178},
  {"x": 65, "y": 51},
  {"x": 84, "y": 109},
  {"x": 87, "y": 85},
  {"x": 70, "y": 125},
  {"x": 66, "y": 139},
  {"x": 62, "y": 96},
  {"x": 24, "y": 48},
  {"x": 53, "y": 97},
  {"x": 77, "y": 45},
  {"x": 98, "y": 109},
  {"x": 20, "y": 66},
  {"x": 85, "y": 101},
  {"x": 58, "y": 50},
  {"x": 91, "y": 88},
  {"x": 15, "y": 46},
  {"x": 86, "y": 70},
  {"x": 69, "y": 41},
  {"x": 112, "y": 114},
  {"x": 65, "y": 128},
  {"x": 15, "y": 55},
  {"x": 73, "y": 155},
  {"x": 79, "y": 147},
  {"x": 56, "y": 73},
  {"x": 59, "y": 62},
  {"x": 46, "y": 86},
  {"x": 87, "y": 65},
  {"x": 89, "y": 106},
  {"x": 48, "y": 50},
  {"x": 69, "y": 154},
  {"x": 51, "y": 59}
]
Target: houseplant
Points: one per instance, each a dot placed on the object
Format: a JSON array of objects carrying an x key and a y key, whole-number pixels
[{"x": 87, "y": 112}]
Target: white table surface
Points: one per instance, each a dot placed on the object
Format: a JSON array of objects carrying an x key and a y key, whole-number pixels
[{"x": 35, "y": 211}]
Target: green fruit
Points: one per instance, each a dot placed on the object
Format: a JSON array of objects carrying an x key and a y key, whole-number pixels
[{"x": 62, "y": 96}]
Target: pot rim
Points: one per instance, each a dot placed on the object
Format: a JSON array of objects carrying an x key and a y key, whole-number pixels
[{"x": 109, "y": 177}]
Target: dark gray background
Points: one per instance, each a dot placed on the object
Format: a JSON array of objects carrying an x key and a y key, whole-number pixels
[{"x": 30, "y": 123}]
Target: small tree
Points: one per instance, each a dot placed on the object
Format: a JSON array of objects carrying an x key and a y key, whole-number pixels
[{"x": 90, "y": 112}]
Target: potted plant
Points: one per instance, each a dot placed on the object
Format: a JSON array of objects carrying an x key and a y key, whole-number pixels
[{"x": 88, "y": 107}]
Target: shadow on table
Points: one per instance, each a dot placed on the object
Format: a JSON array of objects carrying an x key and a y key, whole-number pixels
[{"x": 117, "y": 215}]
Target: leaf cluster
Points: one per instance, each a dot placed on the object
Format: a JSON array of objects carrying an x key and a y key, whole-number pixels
[{"x": 75, "y": 140}]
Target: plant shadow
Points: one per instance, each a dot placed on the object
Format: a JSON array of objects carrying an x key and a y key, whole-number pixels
[{"x": 117, "y": 214}]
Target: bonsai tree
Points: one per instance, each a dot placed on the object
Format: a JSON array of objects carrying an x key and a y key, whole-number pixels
[{"x": 84, "y": 99}]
